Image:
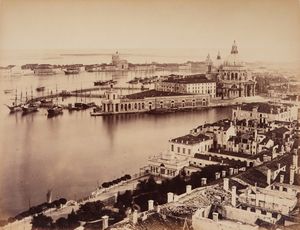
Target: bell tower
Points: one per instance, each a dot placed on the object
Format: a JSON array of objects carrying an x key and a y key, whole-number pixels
[
  {"x": 234, "y": 49},
  {"x": 208, "y": 63}
]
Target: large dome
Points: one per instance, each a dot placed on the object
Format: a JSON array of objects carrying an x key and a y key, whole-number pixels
[{"x": 233, "y": 59}]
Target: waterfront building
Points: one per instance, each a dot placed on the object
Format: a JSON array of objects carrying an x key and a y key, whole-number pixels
[
  {"x": 167, "y": 164},
  {"x": 265, "y": 112},
  {"x": 233, "y": 78},
  {"x": 44, "y": 69},
  {"x": 151, "y": 100},
  {"x": 120, "y": 64},
  {"x": 193, "y": 84}
]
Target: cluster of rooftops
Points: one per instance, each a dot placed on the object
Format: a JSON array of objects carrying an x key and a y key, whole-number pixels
[{"x": 265, "y": 107}]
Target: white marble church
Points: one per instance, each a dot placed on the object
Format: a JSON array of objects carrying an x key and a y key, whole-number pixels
[{"x": 233, "y": 78}]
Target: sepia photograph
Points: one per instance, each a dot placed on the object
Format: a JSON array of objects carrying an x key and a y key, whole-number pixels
[{"x": 150, "y": 115}]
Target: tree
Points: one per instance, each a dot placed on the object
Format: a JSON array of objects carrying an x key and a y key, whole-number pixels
[
  {"x": 62, "y": 223},
  {"x": 41, "y": 221},
  {"x": 124, "y": 200},
  {"x": 73, "y": 220},
  {"x": 62, "y": 200},
  {"x": 90, "y": 211}
]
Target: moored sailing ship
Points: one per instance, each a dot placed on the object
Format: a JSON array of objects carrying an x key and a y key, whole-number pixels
[
  {"x": 30, "y": 108},
  {"x": 54, "y": 111}
]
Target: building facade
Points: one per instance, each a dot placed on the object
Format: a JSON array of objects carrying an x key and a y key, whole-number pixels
[
  {"x": 151, "y": 100},
  {"x": 193, "y": 84},
  {"x": 265, "y": 112},
  {"x": 120, "y": 64}
]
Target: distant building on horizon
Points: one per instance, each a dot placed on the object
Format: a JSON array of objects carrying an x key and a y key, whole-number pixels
[{"x": 120, "y": 64}]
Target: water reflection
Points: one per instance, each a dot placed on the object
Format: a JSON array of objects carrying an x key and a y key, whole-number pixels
[{"x": 72, "y": 153}]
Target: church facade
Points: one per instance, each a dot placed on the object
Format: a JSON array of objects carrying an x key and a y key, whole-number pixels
[{"x": 233, "y": 78}]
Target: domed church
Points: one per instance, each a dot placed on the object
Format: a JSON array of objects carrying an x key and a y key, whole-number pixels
[{"x": 233, "y": 79}]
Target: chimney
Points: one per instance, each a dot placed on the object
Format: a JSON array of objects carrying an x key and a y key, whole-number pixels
[
  {"x": 226, "y": 184},
  {"x": 256, "y": 199},
  {"x": 292, "y": 175},
  {"x": 170, "y": 197},
  {"x": 269, "y": 176},
  {"x": 281, "y": 178},
  {"x": 236, "y": 171},
  {"x": 150, "y": 205},
  {"x": 203, "y": 181},
  {"x": 158, "y": 209},
  {"x": 104, "y": 222},
  {"x": 215, "y": 216},
  {"x": 233, "y": 196},
  {"x": 295, "y": 161},
  {"x": 175, "y": 198},
  {"x": 223, "y": 173},
  {"x": 188, "y": 189},
  {"x": 134, "y": 217}
]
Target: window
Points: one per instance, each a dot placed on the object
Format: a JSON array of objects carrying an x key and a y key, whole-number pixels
[
  {"x": 172, "y": 148},
  {"x": 178, "y": 149},
  {"x": 189, "y": 151},
  {"x": 183, "y": 150}
]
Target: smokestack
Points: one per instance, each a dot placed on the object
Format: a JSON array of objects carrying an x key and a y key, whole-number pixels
[{"x": 49, "y": 196}]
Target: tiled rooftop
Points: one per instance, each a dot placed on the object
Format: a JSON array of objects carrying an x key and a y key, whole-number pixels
[{"x": 191, "y": 139}]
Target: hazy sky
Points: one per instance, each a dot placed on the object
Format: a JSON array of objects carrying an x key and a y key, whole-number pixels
[{"x": 265, "y": 28}]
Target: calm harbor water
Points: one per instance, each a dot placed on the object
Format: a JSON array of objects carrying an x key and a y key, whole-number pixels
[{"x": 73, "y": 152}]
